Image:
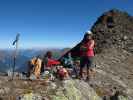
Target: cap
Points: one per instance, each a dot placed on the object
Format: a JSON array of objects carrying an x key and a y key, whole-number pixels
[{"x": 88, "y": 32}]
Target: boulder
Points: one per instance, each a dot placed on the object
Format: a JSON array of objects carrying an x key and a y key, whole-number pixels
[{"x": 75, "y": 90}]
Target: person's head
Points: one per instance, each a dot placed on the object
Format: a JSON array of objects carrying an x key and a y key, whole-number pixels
[
  {"x": 48, "y": 54},
  {"x": 38, "y": 57},
  {"x": 69, "y": 54},
  {"x": 88, "y": 36}
]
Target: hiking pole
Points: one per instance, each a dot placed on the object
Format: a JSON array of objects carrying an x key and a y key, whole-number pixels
[{"x": 15, "y": 53}]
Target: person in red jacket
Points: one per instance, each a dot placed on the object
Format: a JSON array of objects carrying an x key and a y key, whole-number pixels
[
  {"x": 87, "y": 54},
  {"x": 49, "y": 62}
]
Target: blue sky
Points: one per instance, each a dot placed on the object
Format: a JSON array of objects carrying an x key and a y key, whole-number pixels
[{"x": 51, "y": 23}]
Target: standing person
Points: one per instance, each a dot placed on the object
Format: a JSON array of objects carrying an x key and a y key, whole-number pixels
[{"x": 87, "y": 54}]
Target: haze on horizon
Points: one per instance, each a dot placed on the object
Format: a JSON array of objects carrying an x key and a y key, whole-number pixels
[{"x": 51, "y": 23}]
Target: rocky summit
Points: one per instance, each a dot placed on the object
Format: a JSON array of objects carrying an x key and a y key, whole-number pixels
[
  {"x": 114, "y": 29},
  {"x": 113, "y": 33}
]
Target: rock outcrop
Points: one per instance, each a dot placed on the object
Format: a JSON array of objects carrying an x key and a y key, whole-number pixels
[
  {"x": 113, "y": 33},
  {"x": 75, "y": 90},
  {"x": 41, "y": 90},
  {"x": 113, "y": 29}
]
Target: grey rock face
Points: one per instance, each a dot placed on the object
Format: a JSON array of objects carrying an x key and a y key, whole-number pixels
[{"x": 114, "y": 29}]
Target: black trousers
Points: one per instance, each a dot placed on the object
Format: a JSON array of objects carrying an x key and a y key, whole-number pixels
[{"x": 86, "y": 62}]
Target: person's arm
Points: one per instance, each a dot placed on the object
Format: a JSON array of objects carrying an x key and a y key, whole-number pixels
[
  {"x": 45, "y": 60},
  {"x": 91, "y": 45},
  {"x": 83, "y": 48}
]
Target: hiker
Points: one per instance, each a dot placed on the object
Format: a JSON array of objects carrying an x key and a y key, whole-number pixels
[
  {"x": 49, "y": 62},
  {"x": 68, "y": 61},
  {"x": 87, "y": 54},
  {"x": 47, "y": 56},
  {"x": 62, "y": 73},
  {"x": 71, "y": 65},
  {"x": 34, "y": 67}
]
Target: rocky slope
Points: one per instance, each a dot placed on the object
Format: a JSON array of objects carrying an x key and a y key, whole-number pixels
[
  {"x": 113, "y": 33},
  {"x": 115, "y": 69},
  {"x": 42, "y": 90}
]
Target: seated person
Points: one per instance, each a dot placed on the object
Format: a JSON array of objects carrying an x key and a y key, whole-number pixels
[
  {"x": 68, "y": 61},
  {"x": 49, "y": 62},
  {"x": 34, "y": 67},
  {"x": 62, "y": 73}
]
